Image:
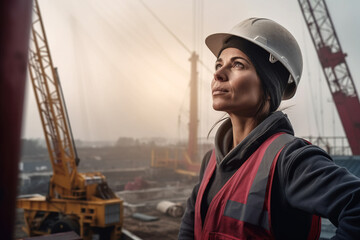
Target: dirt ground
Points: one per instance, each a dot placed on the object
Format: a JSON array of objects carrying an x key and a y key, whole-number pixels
[{"x": 166, "y": 227}]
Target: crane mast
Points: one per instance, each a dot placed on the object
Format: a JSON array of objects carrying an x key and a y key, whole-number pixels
[
  {"x": 50, "y": 103},
  {"x": 192, "y": 150},
  {"x": 335, "y": 68}
]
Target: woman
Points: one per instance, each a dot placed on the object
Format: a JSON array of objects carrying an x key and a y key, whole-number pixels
[{"x": 261, "y": 182}]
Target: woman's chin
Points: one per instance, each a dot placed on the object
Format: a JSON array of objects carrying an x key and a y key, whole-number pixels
[{"x": 218, "y": 107}]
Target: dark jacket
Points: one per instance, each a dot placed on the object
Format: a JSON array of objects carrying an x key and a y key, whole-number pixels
[{"x": 306, "y": 182}]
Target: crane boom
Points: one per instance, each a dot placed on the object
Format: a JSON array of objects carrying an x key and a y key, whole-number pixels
[
  {"x": 50, "y": 104},
  {"x": 335, "y": 68}
]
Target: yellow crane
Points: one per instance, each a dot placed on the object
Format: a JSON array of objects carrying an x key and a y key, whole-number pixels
[{"x": 80, "y": 202}]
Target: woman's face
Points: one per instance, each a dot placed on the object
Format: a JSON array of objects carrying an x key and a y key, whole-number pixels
[{"x": 236, "y": 87}]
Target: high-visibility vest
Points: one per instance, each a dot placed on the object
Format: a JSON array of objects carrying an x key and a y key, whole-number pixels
[{"x": 241, "y": 209}]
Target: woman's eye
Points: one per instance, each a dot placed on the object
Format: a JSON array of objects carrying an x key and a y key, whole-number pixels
[
  {"x": 217, "y": 66},
  {"x": 238, "y": 65}
]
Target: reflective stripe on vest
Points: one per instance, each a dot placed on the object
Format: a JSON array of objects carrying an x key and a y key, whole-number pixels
[{"x": 252, "y": 211}]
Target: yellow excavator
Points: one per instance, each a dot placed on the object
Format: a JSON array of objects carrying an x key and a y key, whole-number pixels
[{"x": 79, "y": 202}]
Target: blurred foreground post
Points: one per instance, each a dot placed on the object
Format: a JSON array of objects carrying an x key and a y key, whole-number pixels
[{"x": 15, "y": 20}]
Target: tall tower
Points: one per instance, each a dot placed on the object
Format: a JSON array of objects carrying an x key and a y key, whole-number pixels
[{"x": 193, "y": 123}]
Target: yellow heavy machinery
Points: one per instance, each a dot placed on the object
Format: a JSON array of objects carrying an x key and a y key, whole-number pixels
[{"x": 80, "y": 202}]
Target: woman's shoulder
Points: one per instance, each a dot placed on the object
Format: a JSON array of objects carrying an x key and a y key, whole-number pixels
[
  {"x": 299, "y": 154},
  {"x": 300, "y": 147},
  {"x": 207, "y": 156}
]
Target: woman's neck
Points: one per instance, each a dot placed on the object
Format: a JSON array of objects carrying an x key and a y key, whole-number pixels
[{"x": 241, "y": 127}]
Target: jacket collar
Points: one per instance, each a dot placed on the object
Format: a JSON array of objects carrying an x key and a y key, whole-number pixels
[{"x": 233, "y": 158}]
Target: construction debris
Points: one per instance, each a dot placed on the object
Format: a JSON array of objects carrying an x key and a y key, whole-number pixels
[
  {"x": 144, "y": 217},
  {"x": 170, "y": 208}
]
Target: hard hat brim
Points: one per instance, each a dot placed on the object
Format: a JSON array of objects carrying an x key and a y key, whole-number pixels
[{"x": 215, "y": 42}]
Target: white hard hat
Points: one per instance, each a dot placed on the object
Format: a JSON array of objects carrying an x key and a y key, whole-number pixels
[{"x": 272, "y": 37}]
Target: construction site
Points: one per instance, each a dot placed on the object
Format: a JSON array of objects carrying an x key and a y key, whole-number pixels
[{"x": 111, "y": 109}]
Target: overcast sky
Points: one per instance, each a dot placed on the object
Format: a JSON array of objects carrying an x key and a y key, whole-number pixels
[{"x": 124, "y": 75}]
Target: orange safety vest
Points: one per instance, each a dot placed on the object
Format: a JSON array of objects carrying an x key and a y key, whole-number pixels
[{"x": 241, "y": 209}]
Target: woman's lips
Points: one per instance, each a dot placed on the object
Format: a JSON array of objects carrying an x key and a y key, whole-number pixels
[{"x": 219, "y": 91}]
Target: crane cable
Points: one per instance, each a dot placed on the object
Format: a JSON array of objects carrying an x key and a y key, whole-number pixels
[
  {"x": 167, "y": 29},
  {"x": 178, "y": 39},
  {"x": 172, "y": 34},
  {"x": 313, "y": 100},
  {"x": 145, "y": 43}
]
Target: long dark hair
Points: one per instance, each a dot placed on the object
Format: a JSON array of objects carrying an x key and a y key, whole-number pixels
[{"x": 223, "y": 118}]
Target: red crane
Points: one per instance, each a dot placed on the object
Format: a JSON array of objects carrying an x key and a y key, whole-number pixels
[{"x": 335, "y": 68}]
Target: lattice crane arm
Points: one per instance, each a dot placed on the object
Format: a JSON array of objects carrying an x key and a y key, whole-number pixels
[
  {"x": 51, "y": 106},
  {"x": 335, "y": 68}
]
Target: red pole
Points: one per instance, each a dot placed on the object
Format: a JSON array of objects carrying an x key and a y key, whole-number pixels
[{"x": 15, "y": 20}]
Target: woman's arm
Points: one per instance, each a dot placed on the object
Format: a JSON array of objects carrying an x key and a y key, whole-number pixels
[
  {"x": 315, "y": 184},
  {"x": 187, "y": 223}
]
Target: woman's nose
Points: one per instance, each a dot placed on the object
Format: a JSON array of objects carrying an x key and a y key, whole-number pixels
[{"x": 219, "y": 76}]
